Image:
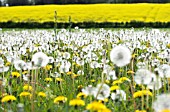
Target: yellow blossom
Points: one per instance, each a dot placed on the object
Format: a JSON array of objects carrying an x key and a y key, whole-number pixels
[
  {"x": 165, "y": 110},
  {"x": 112, "y": 88},
  {"x": 130, "y": 72},
  {"x": 48, "y": 79},
  {"x": 59, "y": 79},
  {"x": 69, "y": 73},
  {"x": 168, "y": 46},
  {"x": 25, "y": 94},
  {"x": 76, "y": 102},
  {"x": 93, "y": 80},
  {"x": 96, "y": 106},
  {"x": 48, "y": 67},
  {"x": 75, "y": 75},
  {"x": 124, "y": 79},
  {"x": 105, "y": 100},
  {"x": 15, "y": 74},
  {"x": 81, "y": 95},
  {"x": 8, "y": 98},
  {"x": 107, "y": 81},
  {"x": 80, "y": 86},
  {"x": 27, "y": 50},
  {"x": 25, "y": 72},
  {"x": 121, "y": 70},
  {"x": 42, "y": 94},
  {"x": 134, "y": 55},
  {"x": 143, "y": 92},
  {"x": 27, "y": 88},
  {"x": 117, "y": 82},
  {"x": 7, "y": 64},
  {"x": 140, "y": 111},
  {"x": 60, "y": 99}
]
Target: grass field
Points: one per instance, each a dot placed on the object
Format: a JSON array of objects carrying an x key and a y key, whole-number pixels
[
  {"x": 87, "y": 13},
  {"x": 94, "y": 70}
]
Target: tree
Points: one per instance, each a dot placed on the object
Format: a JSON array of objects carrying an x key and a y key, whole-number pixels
[{"x": 18, "y": 2}]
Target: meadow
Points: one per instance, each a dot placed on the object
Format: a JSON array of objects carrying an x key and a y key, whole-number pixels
[
  {"x": 98, "y": 13},
  {"x": 85, "y": 70}
]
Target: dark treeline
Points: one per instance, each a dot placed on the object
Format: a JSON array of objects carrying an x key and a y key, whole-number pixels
[{"x": 42, "y": 2}]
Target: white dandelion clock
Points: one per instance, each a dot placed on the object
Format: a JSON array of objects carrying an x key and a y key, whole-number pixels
[
  {"x": 55, "y": 74},
  {"x": 1, "y": 62},
  {"x": 94, "y": 64},
  {"x": 40, "y": 59},
  {"x": 20, "y": 65},
  {"x": 155, "y": 84},
  {"x": 102, "y": 91},
  {"x": 143, "y": 76},
  {"x": 119, "y": 95},
  {"x": 80, "y": 72},
  {"x": 65, "y": 66},
  {"x": 167, "y": 74},
  {"x": 4, "y": 69},
  {"x": 51, "y": 59},
  {"x": 120, "y": 56},
  {"x": 111, "y": 75},
  {"x": 66, "y": 55},
  {"x": 162, "y": 103},
  {"x": 89, "y": 90}
]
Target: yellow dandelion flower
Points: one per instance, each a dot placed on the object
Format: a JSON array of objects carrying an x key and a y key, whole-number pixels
[
  {"x": 75, "y": 75},
  {"x": 7, "y": 64},
  {"x": 168, "y": 46},
  {"x": 117, "y": 82},
  {"x": 134, "y": 55},
  {"x": 113, "y": 88},
  {"x": 141, "y": 93},
  {"x": 121, "y": 70},
  {"x": 80, "y": 86},
  {"x": 92, "y": 80},
  {"x": 122, "y": 79},
  {"x": 27, "y": 50},
  {"x": 27, "y": 88},
  {"x": 130, "y": 72},
  {"x": 15, "y": 74},
  {"x": 60, "y": 99},
  {"x": 8, "y": 98},
  {"x": 105, "y": 100},
  {"x": 25, "y": 72},
  {"x": 59, "y": 79},
  {"x": 25, "y": 94},
  {"x": 76, "y": 102},
  {"x": 48, "y": 79},
  {"x": 140, "y": 111},
  {"x": 69, "y": 73},
  {"x": 42, "y": 94},
  {"x": 165, "y": 110},
  {"x": 77, "y": 65},
  {"x": 37, "y": 45},
  {"x": 107, "y": 81},
  {"x": 142, "y": 86},
  {"x": 81, "y": 95},
  {"x": 48, "y": 67},
  {"x": 105, "y": 110},
  {"x": 96, "y": 106}
]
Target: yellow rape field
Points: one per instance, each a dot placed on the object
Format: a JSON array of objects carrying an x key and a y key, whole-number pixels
[{"x": 87, "y": 13}]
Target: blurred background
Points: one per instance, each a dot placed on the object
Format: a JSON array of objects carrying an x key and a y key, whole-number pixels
[{"x": 42, "y": 2}]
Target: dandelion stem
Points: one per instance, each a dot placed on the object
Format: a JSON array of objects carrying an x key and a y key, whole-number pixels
[{"x": 132, "y": 84}]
